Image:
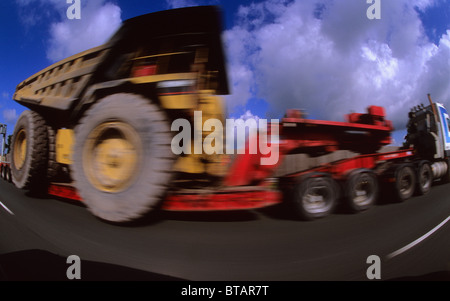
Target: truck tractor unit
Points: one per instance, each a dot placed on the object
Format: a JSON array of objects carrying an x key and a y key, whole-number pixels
[{"x": 98, "y": 130}]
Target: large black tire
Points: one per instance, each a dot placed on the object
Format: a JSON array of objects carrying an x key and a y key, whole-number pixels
[
  {"x": 405, "y": 182},
  {"x": 122, "y": 162},
  {"x": 314, "y": 196},
  {"x": 8, "y": 175},
  {"x": 424, "y": 178},
  {"x": 29, "y": 152},
  {"x": 361, "y": 190}
]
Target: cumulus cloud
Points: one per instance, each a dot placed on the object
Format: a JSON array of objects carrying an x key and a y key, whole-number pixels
[
  {"x": 9, "y": 115},
  {"x": 249, "y": 115},
  {"x": 99, "y": 20},
  {"x": 327, "y": 57}
]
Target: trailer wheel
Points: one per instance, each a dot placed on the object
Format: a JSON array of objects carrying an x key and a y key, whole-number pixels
[
  {"x": 122, "y": 157},
  {"x": 8, "y": 175},
  {"x": 29, "y": 152},
  {"x": 361, "y": 190},
  {"x": 315, "y": 197},
  {"x": 5, "y": 173},
  {"x": 405, "y": 182},
  {"x": 424, "y": 178}
]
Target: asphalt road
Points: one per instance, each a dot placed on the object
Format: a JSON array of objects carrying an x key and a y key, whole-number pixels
[{"x": 411, "y": 239}]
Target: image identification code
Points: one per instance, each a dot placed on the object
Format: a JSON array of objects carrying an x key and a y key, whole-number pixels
[{"x": 230, "y": 290}]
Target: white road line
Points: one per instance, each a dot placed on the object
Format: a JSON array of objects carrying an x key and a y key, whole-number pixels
[
  {"x": 6, "y": 208},
  {"x": 417, "y": 241}
]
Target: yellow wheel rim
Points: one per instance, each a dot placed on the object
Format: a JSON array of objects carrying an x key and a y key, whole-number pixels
[
  {"x": 20, "y": 149},
  {"x": 111, "y": 155}
]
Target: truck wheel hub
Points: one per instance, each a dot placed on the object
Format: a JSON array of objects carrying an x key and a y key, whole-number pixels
[{"x": 112, "y": 153}]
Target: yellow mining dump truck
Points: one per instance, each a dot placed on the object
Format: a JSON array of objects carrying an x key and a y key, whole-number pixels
[{"x": 100, "y": 121}]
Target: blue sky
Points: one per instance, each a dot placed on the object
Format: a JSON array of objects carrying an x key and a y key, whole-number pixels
[{"x": 323, "y": 56}]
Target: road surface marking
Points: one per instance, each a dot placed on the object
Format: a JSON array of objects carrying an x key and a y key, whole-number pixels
[
  {"x": 417, "y": 241},
  {"x": 6, "y": 208}
]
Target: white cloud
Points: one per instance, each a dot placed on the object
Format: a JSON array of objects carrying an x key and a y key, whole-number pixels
[
  {"x": 330, "y": 59},
  {"x": 249, "y": 115},
  {"x": 98, "y": 22},
  {"x": 10, "y": 115}
]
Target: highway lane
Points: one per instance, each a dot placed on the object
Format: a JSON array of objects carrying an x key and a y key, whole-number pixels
[{"x": 256, "y": 245}]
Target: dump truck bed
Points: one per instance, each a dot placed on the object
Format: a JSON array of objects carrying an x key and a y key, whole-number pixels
[
  {"x": 58, "y": 85},
  {"x": 62, "y": 84}
]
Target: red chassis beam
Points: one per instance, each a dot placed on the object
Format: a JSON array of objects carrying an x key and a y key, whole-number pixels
[
  {"x": 240, "y": 198},
  {"x": 340, "y": 169},
  {"x": 222, "y": 200}
]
